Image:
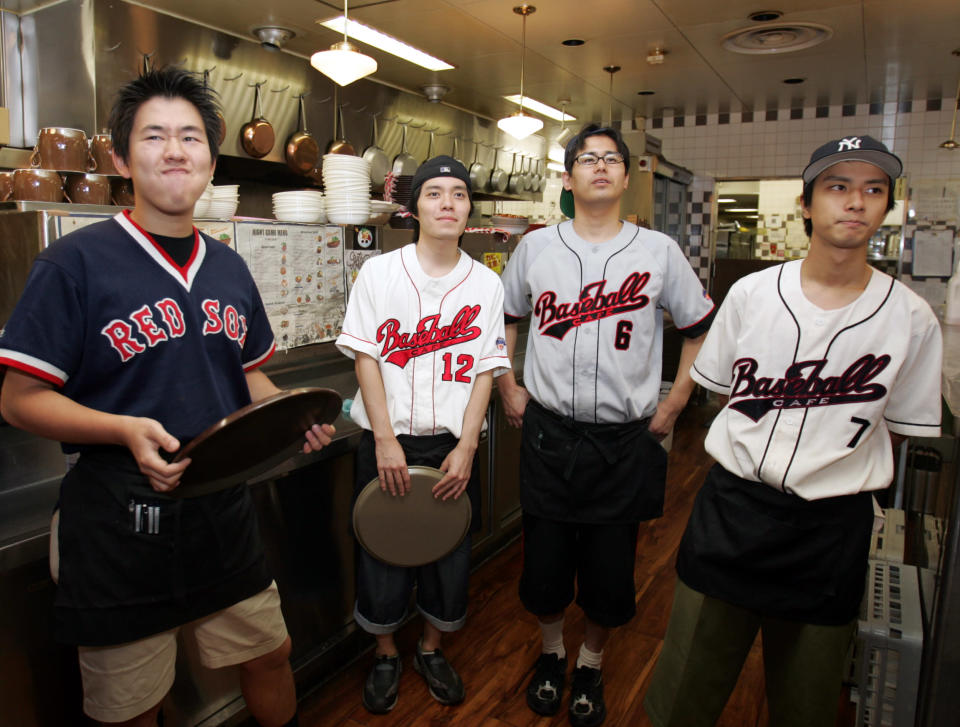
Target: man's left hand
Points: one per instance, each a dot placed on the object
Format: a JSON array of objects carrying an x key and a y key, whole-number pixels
[
  {"x": 457, "y": 465},
  {"x": 318, "y": 436},
  {"x": 662, "y": 421}
]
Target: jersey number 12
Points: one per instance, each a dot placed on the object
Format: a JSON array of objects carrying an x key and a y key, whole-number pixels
[{"x": 464, "y": 361}]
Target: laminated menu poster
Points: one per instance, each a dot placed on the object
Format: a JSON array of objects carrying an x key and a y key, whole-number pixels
[{"x": 299, "y": 271}]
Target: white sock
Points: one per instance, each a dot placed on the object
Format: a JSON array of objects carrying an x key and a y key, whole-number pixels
[
  {"x": 592, "y": 659},
  {"x": 552, "y": 636}
]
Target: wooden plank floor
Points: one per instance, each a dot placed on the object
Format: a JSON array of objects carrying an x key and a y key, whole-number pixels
[{"x": 495, "y": 650}]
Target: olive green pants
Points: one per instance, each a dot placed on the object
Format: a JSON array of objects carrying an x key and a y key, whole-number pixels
[{"x": 706, "y": 644}]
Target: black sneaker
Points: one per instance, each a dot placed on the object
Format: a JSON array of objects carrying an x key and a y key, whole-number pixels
[
  {"x": 546, "y": 686},
  {"x": 383, "y": 685},
  {"x": 586, "y": 697},
  {"x": 444, "y": 683}
]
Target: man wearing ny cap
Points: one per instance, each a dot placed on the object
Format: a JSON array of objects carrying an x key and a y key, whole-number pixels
[
  {"x": 422, "y": 404},
  {"x": 827, "y": 363}
]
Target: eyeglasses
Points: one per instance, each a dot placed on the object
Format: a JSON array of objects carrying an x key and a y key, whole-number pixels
[{"x": 589, "y": 159}]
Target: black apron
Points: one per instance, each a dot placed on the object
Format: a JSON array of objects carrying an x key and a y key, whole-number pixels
[
  {"x": 572, "y": 471},
  {"x": 135, "y": 562},
  {"x": 776, "y": 553},
  {"x": 420, "y": 451}
]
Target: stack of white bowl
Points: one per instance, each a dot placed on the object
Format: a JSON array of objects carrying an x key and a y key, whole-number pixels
[
  {"x": 223, "y": 201},
  {"x": 346, "y": 187},
  {"x": 304, "y": 205},
  {"x": 201, "y": 207}
]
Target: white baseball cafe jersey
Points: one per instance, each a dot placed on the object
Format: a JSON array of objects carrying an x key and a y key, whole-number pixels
[
  {"x": 814, "y": 393},
  {"x": 594, "y": 350},
  {"x": 430, "y": 336}
]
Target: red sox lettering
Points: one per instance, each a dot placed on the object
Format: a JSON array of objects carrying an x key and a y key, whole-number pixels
[
  {"x": 399, "y": 348},
  {"x": 147, "y": 330},
  {"x": 558, "y": 318},
  {"x": 802, "y": 386}
]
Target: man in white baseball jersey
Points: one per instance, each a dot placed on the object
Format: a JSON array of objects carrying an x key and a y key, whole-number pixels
[
  {"x": 425, "y": 325},
  {"x": 591, "y": 463},
  {"x": 824, "y": 361}
]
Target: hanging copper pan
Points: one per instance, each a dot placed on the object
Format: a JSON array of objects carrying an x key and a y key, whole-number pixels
[
  {"x": 256, "y": 136},
  {"x": 302, "y": 150},
  {"x": 340, "y": 145}
]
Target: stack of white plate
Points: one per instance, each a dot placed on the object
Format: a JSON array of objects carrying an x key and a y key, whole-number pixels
[
  {"x": 514, "y": 224},
  {"x": 223, "y": 201},
  {"x": 346, "y": 187},
  {"x": 201, "y": 207},
  {"x": 304, "y": 205}
]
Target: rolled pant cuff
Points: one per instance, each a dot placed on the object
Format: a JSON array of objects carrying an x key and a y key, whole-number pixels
[
  {"x": 441, "y": 625},
  {"x": 374, "y": 628}
]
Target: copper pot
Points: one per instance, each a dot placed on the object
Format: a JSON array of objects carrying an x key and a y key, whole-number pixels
[
  {"x": 122, "y": 190},
  {"x": 256, "y": 136},
  {"x": 101, "y": 148},
  {"x": 62, "y": 149},
  {"x": 302, "y": 150},
  {"x": 6, "y": 186},
  {"x": 37, "y": 185},
  {"x": 88, "y": 188}
]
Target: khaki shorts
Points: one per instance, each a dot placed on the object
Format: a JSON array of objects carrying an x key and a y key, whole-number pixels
[{"x": 126, "y": 680}]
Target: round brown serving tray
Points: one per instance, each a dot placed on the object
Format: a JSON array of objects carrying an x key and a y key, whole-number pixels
[
  {"x": 238, "y": 443},
  {"x": 413, "y": 529}
]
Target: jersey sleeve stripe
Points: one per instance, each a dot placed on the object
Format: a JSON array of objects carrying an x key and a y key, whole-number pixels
[
  {"x": 357, "y": 338},
  {"x": 510, "y": 319},
  {"x": 33, "y": 366},
  {"x": 260, "y": 360},
  {"x": 705, "y": 380},
  {"x": 698, "y": 327}
]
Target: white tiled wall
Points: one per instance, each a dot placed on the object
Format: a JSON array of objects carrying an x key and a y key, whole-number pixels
[{"x": 782, "y": 148}]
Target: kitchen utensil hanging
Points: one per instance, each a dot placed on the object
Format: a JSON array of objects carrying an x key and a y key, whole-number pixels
[
  {"x": 302, "y": 151},
  {"x": 256, "y": 136},
  {"x": 378, "y": 159}
]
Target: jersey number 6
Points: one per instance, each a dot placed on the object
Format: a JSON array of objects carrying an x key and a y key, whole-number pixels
[
  {"x": 464, "y": 361},
  {"x": 622, "y": 340}
]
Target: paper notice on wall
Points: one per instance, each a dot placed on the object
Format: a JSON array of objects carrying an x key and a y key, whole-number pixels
[
  {"x": 933, "y": 253},
  {"x": 353, "y": 260},
  {"x": 220, "y": 230},
  {"x": 299, "y": 272},
  {"x": 936, "y": 201}
]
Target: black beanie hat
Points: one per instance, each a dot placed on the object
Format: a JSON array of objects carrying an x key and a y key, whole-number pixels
[{"x": 440, "y": 166}]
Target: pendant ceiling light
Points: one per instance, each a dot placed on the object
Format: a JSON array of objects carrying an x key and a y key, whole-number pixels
[
  {"x": 952, "y": 143},
  {"x": 520, "y": 125},
  {"x": 611, "y": 70},
  {"x": 343, "y": 63}
]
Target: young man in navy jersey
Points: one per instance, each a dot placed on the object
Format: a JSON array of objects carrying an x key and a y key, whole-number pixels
[{"x": 132, "y": 336}]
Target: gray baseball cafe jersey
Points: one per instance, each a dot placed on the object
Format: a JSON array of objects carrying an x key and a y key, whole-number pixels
[
  {"x": 594, "y": 351},
  {"x": 814, "y": 393}
]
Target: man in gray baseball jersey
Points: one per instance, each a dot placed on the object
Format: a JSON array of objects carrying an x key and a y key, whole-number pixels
[
  {"x": 591, "y": 463},
  {"x": 824, "y": 360}
]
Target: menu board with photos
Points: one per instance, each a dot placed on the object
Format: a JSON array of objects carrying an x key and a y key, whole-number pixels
[{"x": 299, "y": 272}]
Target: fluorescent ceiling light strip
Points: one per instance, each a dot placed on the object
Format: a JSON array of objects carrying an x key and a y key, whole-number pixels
[
  {"x": 370, "y": 36},
  {"x": 740, "y": 209},
  {"x": 531, "y": 104},
  {"x": 556, "y": 167}
]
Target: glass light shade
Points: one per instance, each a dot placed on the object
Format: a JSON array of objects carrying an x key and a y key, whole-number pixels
[
  {"x": 343, "y": 63},
  {"x": 519, "y": 125}
]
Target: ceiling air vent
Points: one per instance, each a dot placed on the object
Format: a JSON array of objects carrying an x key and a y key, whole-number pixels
[{"x": 776, "y": 38}]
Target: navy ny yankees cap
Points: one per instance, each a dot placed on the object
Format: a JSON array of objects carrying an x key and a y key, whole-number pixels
[
  {"x": 853, "y": 149},
  {"x": 439, "y": 166}
]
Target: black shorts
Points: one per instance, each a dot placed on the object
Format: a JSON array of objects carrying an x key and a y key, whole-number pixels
[{"x": 598, "y": 558}]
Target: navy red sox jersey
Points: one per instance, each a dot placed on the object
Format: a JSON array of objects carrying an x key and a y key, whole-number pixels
[
  {"x": 430, "y": 336},
  {"x": 814, "y": 393},
  {"x": 116, "y": 325},
  {"x": 594, "y": 350}
]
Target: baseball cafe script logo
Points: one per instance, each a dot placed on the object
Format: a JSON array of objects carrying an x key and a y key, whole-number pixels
[
  {"x": 558, "y": 318},
  {"x": 399, "y": 348},
  {"x": 803, "y": 387}
]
